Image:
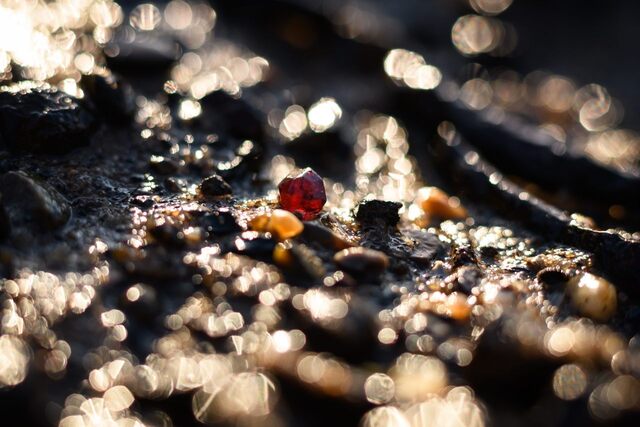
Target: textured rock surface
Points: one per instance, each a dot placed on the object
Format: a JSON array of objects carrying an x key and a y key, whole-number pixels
[
  {"x": 32, "y": 204},
  {"x": 35, "y": 118}
]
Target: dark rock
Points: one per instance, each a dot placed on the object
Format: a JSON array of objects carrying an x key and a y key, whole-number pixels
[
  {"x": 215, "y": 186},
  {"x": 318, "y": 234},
  {"x": 387, "y": 240},
  {"x": 27, "y": 202},
  {"x": 111, "y": 96},
  {"x": 614, "y": 253},
  {"x": 381, "y": 212},
  {"x": 519, "y": 147},
  {"x": 361, "y": 261},
  {"x": 36, "y": 118},
  {"x": 424, "y": 247}
]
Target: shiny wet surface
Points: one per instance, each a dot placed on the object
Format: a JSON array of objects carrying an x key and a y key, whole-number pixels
[{"x": 141, "y": 288}]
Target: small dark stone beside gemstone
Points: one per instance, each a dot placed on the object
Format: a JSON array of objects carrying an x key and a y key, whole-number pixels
[
  {"x": 215, "y": 186},
  {"x": 378, "y": 212}
]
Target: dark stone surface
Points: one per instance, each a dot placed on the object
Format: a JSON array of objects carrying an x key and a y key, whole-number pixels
[
  {"x": 215, "y": 186},
  {"x": 362, "y": 261},
  {"x": 378, "y": 211},
  {"x": 424, "y": 246},
  {"x": 32, "y": 204},
  {"x": 35, "y": 118}
]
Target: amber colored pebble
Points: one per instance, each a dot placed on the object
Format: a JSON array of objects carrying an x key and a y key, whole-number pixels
[
  {"x": 435, "y": 202},
  {"x": 260, "y": 223},
  {"x": 593, "y": 296},
  {"x": 280, "y": 223},
  {"x": 583, "y": 221}
]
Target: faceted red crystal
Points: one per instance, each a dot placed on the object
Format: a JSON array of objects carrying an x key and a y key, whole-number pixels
[{"x": 303, "y": 194}]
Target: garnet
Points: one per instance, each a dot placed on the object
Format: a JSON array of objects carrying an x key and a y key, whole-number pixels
[{"x": 303, "y": 194}]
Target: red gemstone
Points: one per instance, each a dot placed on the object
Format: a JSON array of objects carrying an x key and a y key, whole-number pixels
[{"x": 303, "y": 194}]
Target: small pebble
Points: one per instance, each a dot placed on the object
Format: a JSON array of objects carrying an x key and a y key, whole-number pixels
[
  {"x": 361, "y": 260},
  {"x": 378, "y": 211},
  {"x": 280, "y": 223},
  {"x": 463, "y": 254},
  {"x": 424, "y": 246},
  {"x": 437, "y": 203},
  {"x": 142, "y": 201},
  {"x": 593, "y": 296},
  {"x": 215, "y": 186}
]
